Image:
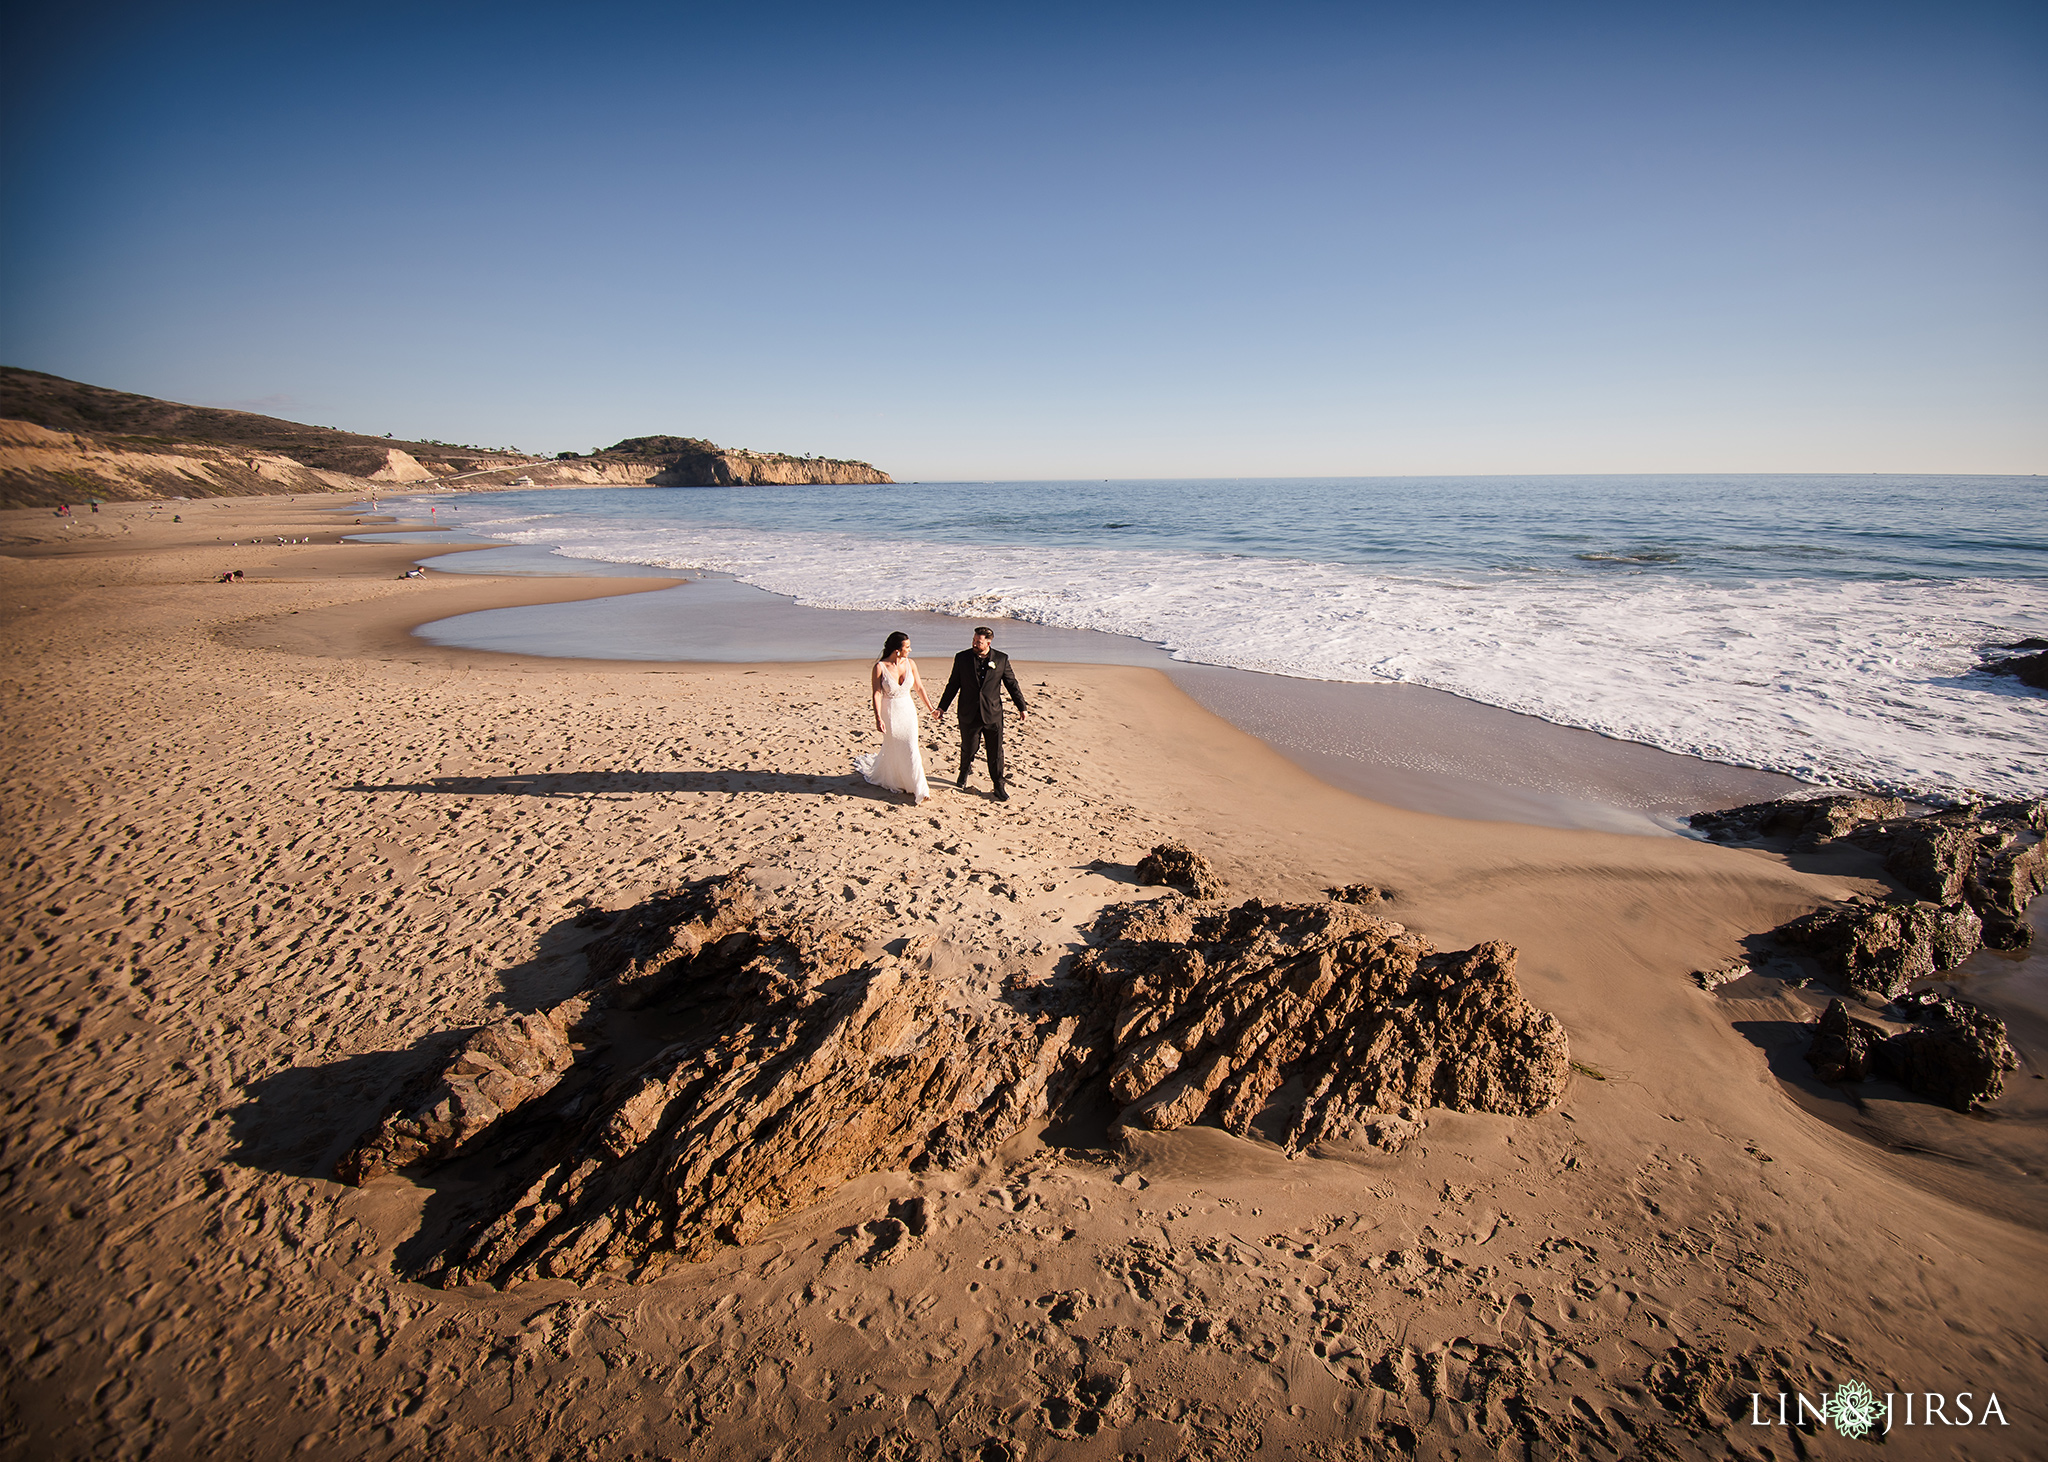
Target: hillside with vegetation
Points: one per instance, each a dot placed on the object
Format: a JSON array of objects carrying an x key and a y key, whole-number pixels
[{"x": 67, "y": 441}]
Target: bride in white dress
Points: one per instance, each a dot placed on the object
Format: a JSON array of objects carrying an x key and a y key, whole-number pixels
[{"x": 897, "y": 689}]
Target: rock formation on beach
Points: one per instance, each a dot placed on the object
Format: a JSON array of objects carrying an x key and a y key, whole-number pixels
[
  {"x": 449, "y": 1104},
  {"x": 1967, "y": 873},
  {"x": 1214, "y": 1010},
  {"x": 1805, "y": 821},
  {"x": 1181, "y": 867},
  {"x": 794, "y": 1064},
  {"x": 1882, "y": 945},
  {"x": 1955, "y": 1053},
  {"x": 668, "y": 461},
  {"x": 792, "y": 1061}
]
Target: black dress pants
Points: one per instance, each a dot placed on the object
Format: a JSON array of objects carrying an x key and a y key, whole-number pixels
[{"x": 992, "y": 738}]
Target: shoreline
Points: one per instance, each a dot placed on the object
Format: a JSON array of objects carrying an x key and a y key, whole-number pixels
[
  {"x": 1409, "y": 746},
  {"x": 274, "y": 850}
]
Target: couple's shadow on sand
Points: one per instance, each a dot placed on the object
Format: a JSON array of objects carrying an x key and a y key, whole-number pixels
[{"x": 589, "y": 784}]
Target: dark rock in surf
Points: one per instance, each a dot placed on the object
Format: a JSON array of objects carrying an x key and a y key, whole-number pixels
[
  {"x": 1993, "y": 858},
  {"x": 2030, "y": 813},
  {"x": 2027, "y": 669},
  {"x": 2011, "y": 868},
  {"x": 1932, "y": 856}
]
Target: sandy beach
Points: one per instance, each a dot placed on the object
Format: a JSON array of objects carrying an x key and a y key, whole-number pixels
[{"x": 266, "y": 847}]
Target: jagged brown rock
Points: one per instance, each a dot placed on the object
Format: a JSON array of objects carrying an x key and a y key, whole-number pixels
[
  {"x": 2026, "y": 812},
  {"x": 1841, "y": 1046},
  {"x": 797, "y": 1062},
  {"x": 1990, "y": 860},
  {"x": 827, "y": 1073},
  {"x": 1993, "y": 858},
  {"x": 1932, "y": 856},
  {"x": 1365, "y": 895},
  {"x": 2009, "y": 872},
  {"x": 1807, "y": 821},
  {"x": 1181, "y": 867},
  {"x": 440, "y": 1112},
  {"x": 1957, "y": 1053},
  {"x": 654, "y": 945},
  {"x": 1721, "y": 974},
  {"x": 1883, "y": 946},
  {"x": 1369, "y": 1017}
]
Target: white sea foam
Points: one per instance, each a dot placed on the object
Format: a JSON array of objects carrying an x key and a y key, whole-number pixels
[{"x": 1861, "y": 683}]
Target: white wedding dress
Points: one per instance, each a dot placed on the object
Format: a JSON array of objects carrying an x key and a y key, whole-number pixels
[{"x": 897, "y": 766}]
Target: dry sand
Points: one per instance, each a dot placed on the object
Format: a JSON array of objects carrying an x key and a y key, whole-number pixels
[{"x": 263, "y": 845}]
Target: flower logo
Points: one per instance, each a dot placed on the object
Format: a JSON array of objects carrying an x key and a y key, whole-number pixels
[{"x": 1852, "y": 1410}]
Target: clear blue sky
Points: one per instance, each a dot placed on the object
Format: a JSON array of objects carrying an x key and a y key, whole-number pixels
[{"x": 1059, "y": 241}]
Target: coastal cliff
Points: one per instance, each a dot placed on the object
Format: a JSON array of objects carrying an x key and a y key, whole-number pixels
[
  {"x": 41, "y": 468},
  {"x": 674, "y": 462},
  {"x": 693, "y": 462},
  {"x": 67, "y": 441}
]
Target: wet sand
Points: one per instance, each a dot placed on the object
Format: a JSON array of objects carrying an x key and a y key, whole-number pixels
[{"x": 1405, "y": 745}]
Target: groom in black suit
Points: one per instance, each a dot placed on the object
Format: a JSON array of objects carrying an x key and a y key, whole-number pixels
[{"x": 980, "y": 676}]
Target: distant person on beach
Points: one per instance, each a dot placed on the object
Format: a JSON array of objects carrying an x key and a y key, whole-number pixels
[
  {"x": 896, "y": 689},
  {"x": 980, "y": 676}
]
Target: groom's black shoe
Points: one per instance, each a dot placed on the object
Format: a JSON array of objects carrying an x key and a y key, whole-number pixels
[{"x": 1002, "y": 795}]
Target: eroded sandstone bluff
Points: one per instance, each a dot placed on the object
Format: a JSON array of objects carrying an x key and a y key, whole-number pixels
[
  {"x": 67, "y": 441},
  {"x": 791, "y": 1062}
]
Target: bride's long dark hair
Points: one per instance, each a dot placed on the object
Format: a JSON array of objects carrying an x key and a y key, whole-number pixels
[{"x": 896, "y": 641}]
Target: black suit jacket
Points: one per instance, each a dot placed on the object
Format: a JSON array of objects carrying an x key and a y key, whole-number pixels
[{"x": 981, "y": 690}]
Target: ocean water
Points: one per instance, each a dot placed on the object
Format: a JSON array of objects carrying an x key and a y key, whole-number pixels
[{"x": 1827, "y": 627}]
